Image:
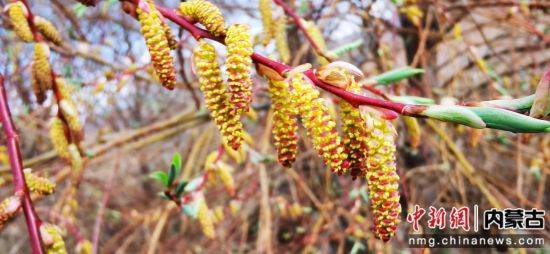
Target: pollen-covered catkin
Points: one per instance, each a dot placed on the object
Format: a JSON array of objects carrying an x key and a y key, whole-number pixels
[
  {"x": 281, "y": 41},
  {"x": 205, "y": 219},
  {"x": 9, "y": 208},
  {"x": 37, "y": 184},
  {"x": 159, "y": 48},
  {"x": 267, "y": 20},
  {"x": 238, "y": 64},
  {"x": 46, "y": 28},
  {"x": 52, "y": 239},
  {"x": 382, "y": 177},
  {"x": 355, "y": 134},
  {"x": 285, "y": 122},
  {"x": 59, "y": 138},
  {"x": 17, "y": 12},
  {"x": 224, "y": 173},
  {"x": 41, "y": 71},
  {"x": 320, "y": 126},
  {"x": 206, "y": 13},
  {"x": 211, "y": 84},
  {"x": 317, "y": 37}
]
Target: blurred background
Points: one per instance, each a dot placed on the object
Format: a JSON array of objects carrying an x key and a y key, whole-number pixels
[{"x": 470, "y": 51}]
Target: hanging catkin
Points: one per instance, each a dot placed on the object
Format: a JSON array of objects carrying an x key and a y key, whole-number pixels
[
  {"x": 155, "y": 38},
  {"x": 267, "y": 20},
  {"x": 238, "y": 64},
  {"x": 17, "y": 12},
  {"x": 285, "y": 123},
  {"x": 46, "y": 28},
  {"x": 41, "y": 77},
  {"x": 206, "y": 14},
  {"x": 320, "y": 126},
  {"x": 281, "y": 40},
  {"x": 211, "y": 84}
]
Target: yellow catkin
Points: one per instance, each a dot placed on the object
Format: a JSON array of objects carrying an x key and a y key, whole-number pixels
[
  {"x": 211, "y": 84},
  {"x": 46, "y": 28},
  {"x": 17, "y": 12},
  {"x": 172, "y": 41},
  {"x": 206, "y": 14},
  {"x": 281, "y": 40},
  {"x": 76, "y": 159},
  {"x": 224, "y": 173},
  {"x": 59, "y": 138},
  {"x": 285, "y": 122},
  {"x": 41, "y": 71},
  {"x": 155, "y": 38},
  {"x": 9, "y": 208},
  {"x": 84, "y": 247},
  {"x": 266, "y": 11},
  {"x": 320, "y": 126},
  {"x": 317, "y": 37},
  {"x": 382, "y": 177},
  {"x": 205, "y": 219},
  {"x": 52, "y": 239},
  {"x": 355, "y": 133},
  {"x": 37, "y": 184},
  {"x": 238, "y": 64}
]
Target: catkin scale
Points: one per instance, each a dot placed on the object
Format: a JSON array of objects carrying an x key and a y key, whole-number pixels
[
  {"x": 285, "y": 123},
  {"x": 41, "y": 77},
  {"x": 382, "y": 178},
  {"x": 206, "y": 14},
  {"x": 211, "y": 84},
  {"x": 53, "y": 241},
  {"x": 17, "y": 13},
  {"x": 46, "y": 28},
  {"x": 159, "y": 47},
  {"x": 238, "y": 64},
  {"x": 320, "y": 125}
]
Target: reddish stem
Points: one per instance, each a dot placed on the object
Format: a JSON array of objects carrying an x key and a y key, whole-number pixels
[
  {"x": 281, "y": 68},
  {"x": 20, "y": 186},
  {"x": 298, "y": 21}
]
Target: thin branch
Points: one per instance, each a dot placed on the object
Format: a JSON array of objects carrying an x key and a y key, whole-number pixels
[{"x": 20, "y": 186}]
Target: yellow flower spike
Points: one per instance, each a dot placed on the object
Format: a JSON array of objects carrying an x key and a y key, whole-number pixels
[
  {"x": 382, "y": 178},
  {"x": 224, "y": 173},
  {"x": 84, "y": 247},
  {"x": 46, "y": 28},
  {"x": 37, "y": 184},
  {"x": 354, "y": 139},
  {"x": 218, "y": 214},
  {"x": 59, "y": 138},
  {"x": 267, "y": 20},
  {"x": 285, "y": 123},
  {"x": 206, "y": 13},
  {"x": 205, "y": 219},
  {"x": 154, "y": 33},
  {"x": 69, "y": 112},
  {"x": 238, "y": 64},
  {"x": 317, "y": 36},
  {"x": 211, "y": 84},
  {"x": 76, "y": 159},
  {"x": 41, "y": 71},
  {"x": 9, "y": 208},
  {"x": 52, "y": 239},
  {"x": 320, "y": 126},
  {"x": 17, "y": 12},
  {"x": 281, "y": 40}
]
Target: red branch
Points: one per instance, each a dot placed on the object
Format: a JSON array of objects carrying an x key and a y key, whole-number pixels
[
  {"x": 354, "y": 99},
  {"x": 20, "y": 186}
]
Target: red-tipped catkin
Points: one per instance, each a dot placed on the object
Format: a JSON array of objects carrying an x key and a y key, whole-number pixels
[
  {"x": 355, "y": 134},
  {"x": 320, "y": 125},
  {"x": 155, "y": 37},
  {"x": 238, "y": 64},
  {"x": 285, "y": 123},
  {"x": 206, "y": 14},
  {"x": 382, "y": 178},
  {"x": 211, "y": 84}
]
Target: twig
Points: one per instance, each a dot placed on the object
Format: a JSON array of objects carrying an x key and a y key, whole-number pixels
[{"x": 20, "y": 186}]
